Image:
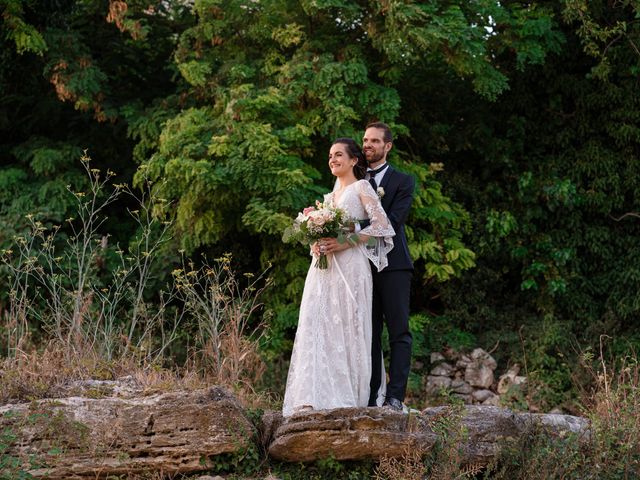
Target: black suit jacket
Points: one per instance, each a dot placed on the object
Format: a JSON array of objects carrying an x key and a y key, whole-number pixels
[{"x": 396, "y": 201}]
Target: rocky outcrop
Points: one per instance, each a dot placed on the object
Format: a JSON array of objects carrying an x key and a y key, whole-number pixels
[
  {"x": 79, "y": 437},
  {"x": 366, "y": 433},
  {"x": 125, "y": 432},
  {"x": 348, "y": 434}
]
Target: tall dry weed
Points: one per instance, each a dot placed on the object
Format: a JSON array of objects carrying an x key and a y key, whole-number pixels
[
  {"x": 410, "y": 466},
  {"x": 614, "y": 410},
  {"x": 444, "y": 461},
  {"x": 59, "y": 283},
  {"x": 94, "y": 322},
  {"x": 611, "y": 447},
  {"x": 226, "y": 346}
]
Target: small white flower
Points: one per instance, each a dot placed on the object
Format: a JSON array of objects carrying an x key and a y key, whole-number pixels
[{"x": 380, "y": 192}]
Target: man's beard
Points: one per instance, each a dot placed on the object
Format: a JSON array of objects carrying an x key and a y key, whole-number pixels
[{"x": 374, "y": 158}]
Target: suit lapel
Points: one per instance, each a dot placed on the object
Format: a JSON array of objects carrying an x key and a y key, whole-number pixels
[
  {"x": 389, "y": 173},
  {"x": 388, "y": 176}
]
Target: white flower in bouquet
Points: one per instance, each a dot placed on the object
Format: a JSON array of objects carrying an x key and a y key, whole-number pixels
[{"x": 314, "y": 223}]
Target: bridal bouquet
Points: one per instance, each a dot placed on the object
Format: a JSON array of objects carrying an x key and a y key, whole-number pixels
[{"x": 314, "y": 223}]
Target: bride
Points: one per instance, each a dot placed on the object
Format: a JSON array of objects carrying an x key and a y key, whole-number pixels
[{"x": 331, "y": 358}]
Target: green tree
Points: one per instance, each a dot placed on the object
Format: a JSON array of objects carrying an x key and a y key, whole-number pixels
[
  {"x": 76, "y": 76},
  {"x": 272, "y": 83},
  {"x": 548, "y": 171}
]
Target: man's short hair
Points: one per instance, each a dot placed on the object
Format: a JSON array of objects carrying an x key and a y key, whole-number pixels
[{"x": 387, "y": 137}]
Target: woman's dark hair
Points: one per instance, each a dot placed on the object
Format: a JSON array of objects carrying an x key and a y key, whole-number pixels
[{"x": 354, "y": 151}]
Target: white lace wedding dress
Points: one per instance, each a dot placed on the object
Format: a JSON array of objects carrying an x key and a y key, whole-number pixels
[{"x": 331, "y": 358}]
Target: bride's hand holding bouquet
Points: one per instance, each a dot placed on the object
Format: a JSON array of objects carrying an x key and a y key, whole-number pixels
[{"x": 321, "y": 221}]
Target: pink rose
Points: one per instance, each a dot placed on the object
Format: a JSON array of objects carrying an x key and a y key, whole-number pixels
[{"x": 308, "y": 210}]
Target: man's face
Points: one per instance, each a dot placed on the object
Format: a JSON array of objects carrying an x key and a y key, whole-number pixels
[{"x": 373, "y": 145}]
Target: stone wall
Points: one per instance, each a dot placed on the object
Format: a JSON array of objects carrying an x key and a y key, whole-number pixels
[{"x": 471, "y": 377}]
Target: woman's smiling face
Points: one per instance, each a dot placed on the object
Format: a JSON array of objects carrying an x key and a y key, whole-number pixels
[{"x": 340, "y": 162}]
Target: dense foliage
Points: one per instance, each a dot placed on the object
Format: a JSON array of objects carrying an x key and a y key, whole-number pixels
[{"x": 519, "y": 121}]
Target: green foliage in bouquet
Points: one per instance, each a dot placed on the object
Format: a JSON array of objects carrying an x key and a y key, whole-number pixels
[
  {"x": 322, "y": 221},
  {"x": 315, "y": 223}
]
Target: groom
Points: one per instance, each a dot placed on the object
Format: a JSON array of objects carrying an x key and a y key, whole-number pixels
[{"x": 390, "y": 286}]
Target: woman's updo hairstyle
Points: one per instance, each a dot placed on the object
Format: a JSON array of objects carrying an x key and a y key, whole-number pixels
[{"x": 354, "y": 151}]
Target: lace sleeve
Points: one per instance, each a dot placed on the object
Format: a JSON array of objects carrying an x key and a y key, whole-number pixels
[{"x": 379, "y": 229}]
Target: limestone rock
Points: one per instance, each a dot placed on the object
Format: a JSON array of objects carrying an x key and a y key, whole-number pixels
[
  {"x": 435, "y": 384},
  {"x": 480, "y": 356},
  {"x": 561, "y": 424},
  {"x": 442, "y": 370},
  {"x": 177, "y": 432},
  {"x": 437, "y": 357},
  {"x": 479, "y": 375},
  {"x": 123, "y": 387},
  {"x": 365, "y": 433},
  {"x": 519, "y": 381},
  {"x": 509, "y": 379},
  {"x": 269, "y": 423},
  {"x": 513, "y": 370},
  {"x": 479, "y": 372},
  {"x": 463, "y": 361},
  {"x": 463, "y": 397},
  {"x": 460, "y": 386},
  {"x": 504, "y": 383},
  {"x": 349, "y": 434},
  {"x": 493, "y": 401},
  {"x": 482, "y": 395}
]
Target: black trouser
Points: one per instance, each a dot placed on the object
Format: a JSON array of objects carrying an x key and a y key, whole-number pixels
[{"x": 391, "y": 307}]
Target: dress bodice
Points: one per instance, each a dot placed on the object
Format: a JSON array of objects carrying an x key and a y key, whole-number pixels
[
  {"x": 350, "y": 201},
  {"x": 361, "y": 202}
]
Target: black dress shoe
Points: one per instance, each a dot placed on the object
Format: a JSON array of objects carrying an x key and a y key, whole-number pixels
[{"x": 393, "y": 403}]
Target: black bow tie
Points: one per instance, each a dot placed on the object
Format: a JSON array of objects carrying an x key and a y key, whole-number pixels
[{"x": 373, "y": 173}]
